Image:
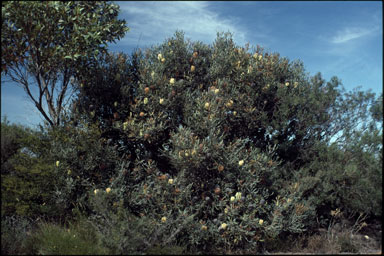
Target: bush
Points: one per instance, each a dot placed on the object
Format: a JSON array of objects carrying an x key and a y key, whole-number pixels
[
  {"x": 15, "y": 234},
  {"x": 27, "y": 178},
  {"x": 82, "y": 162},
  {"x": 209, "y": 148}
]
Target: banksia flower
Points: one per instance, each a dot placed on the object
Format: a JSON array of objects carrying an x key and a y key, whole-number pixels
[
  {"x": 172, "y": 80},
  {"x": 125, "y": 125},
  {"x": 229, "y": 103},
  {"x": 163, "y": 219},
  {"x": 108, "y": 190}
]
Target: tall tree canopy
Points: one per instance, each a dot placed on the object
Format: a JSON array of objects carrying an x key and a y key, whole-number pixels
[{"x": 45, "y": 44}]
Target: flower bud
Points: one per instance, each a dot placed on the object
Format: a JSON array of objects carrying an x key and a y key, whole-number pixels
[{"x": 238, "y": 195}]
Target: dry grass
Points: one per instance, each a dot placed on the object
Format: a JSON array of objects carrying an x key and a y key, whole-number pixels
[{"x": 337, "y": 241}]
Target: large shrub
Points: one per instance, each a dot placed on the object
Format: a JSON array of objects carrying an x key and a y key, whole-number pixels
[{"x": 209, "y": 146}]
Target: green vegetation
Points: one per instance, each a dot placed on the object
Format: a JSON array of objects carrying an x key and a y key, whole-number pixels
[
  {"x": 43, "y": 42},
  {"x": 193, "y": 148}
]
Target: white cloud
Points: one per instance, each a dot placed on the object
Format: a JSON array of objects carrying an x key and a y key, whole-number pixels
[
  {"x": 349, "y": 34},
  {"x": 153, "y": 22}
]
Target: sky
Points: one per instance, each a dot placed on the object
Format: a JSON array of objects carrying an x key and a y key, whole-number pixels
[{"x": 336, "y": 38}]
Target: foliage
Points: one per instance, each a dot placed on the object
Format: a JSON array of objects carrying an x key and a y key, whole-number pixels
[
  {"x": 213, "y": 148},
  {"x": 77, "y": 239},
  {"x": 83, "y": 161},
  {"x": 214, "y": 136},
  {"x": 15, "y": 232},
  {"x": 27, "y": 178},
  {"x": 348, "y": 173},
  {"x": 10, "y": 143},
  {"x": 45, "y": 41}
]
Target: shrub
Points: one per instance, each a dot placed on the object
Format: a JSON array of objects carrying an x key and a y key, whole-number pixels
[
  {"x": 27, "y": 177},
  {"x": 82, "y": 161},
  {"x": 206, "y": 147},
  {"x": 15, "y": 233}
]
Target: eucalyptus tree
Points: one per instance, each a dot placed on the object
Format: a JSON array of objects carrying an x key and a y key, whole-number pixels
[{"x": 45, "y": 45}]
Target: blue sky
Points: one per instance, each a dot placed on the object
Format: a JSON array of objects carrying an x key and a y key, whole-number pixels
[{"x": 342, "y": 38}]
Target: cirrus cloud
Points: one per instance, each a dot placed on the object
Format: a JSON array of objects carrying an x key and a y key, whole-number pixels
[
  {"x": 348, "y": 34},
  {"x": 152, "y": 22}
]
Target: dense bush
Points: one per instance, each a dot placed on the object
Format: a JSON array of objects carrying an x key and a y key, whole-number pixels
[
  {"x": 83, "y": 161},
  {"x": 27, "y": 177},
  {"x": 197, "y": 125}
]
